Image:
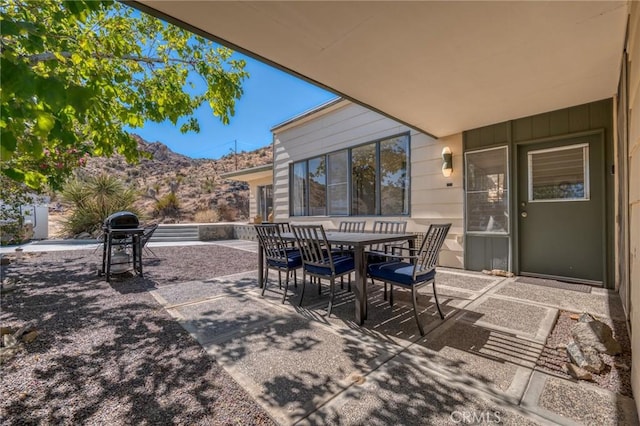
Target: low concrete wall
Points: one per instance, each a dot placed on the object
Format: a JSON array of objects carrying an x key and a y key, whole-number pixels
[
  {"x": 226, "y": 231},
  {"x": 245, "y": 232},
  {"x": 215, "y": 231}
]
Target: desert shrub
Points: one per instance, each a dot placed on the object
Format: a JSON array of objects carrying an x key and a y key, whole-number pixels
[
  {"x": 167, "y": 205},
  {"x": 206, "y": 216},
  {"x": 92, "y": 199},
  {"x": 208, "y": 186},
  {"x": 227, "y": 213}
]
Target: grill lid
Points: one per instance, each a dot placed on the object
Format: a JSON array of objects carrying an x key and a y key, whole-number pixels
[{"x": 121, "y": 220}]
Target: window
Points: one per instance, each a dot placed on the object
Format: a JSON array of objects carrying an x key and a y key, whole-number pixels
[
  {"x": 363, "y": 179},
  {"x": 370, "y": 179},
  {"x": 264, "y": 200},
  {"x": 559, "y": 174},
  {"x": 317, "y": 187},
  {"x": 338, "y": 183},
  {"x": 394, "y": 179},
  {"x": 487, "y": 196},
  {"x": 299, "y": 189}
]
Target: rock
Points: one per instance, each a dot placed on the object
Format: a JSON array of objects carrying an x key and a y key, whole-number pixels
[
  {"x": 22, "y": 330},
  {"x": 574, "y": 317},
  {"x": 577, "y": 372},
  {"x": 30, "y": 336},
  {"x": 585, "y": 317},
  {"x": 8, "y": 287},
  {"x": 356, "y": 378},
  {"x": 586, "y": 358},
  {"x": 575, "y": 354},
  {"x": 597, "y": 335},
  {"x": 498, "y": 273},
  {"x": 4, "y": 260},
  {"x": 83, "y": 236},
  {"x": 621, "y": 366},
  {"x": 594, "y": 362},
  {"x": 9, "y": 340},
  {"x": 8, "y": 353}
]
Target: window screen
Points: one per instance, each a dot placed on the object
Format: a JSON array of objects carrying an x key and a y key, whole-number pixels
[
  {"x": 487, "y": 195},
  {"x": 559, "y": 174}
]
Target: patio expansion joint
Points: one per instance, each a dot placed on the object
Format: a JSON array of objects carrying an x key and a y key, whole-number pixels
[
  {"x": 174, "y": 311},
  {"x": 387, "y": 351},
  {"x": 194, "y": 301},
  {"x": 544, "y": 328},
  {"x": 525, "y": 351},
  {"x": 568, "y": 306},
  {"x": 505, "y": 399},
  {"x": 594, "y": 395},
  {"x": 464, "y": 384}
]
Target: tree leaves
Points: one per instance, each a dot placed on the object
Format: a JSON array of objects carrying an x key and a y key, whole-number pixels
[{"x": 75, "y": 73}]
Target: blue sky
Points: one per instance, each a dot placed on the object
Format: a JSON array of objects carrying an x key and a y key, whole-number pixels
[{"x": 270, "y": 97}]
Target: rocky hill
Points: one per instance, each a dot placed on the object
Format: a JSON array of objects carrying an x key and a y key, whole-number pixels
[{"x": 201, "y": 193}]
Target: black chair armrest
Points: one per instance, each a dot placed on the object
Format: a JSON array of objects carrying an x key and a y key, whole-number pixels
[{"x": 391, "y": 255}]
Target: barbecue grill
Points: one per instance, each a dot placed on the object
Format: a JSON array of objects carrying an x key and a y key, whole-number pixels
[
  {"x": 120, "y": 220},
  {"x": 121, "y": 230}
]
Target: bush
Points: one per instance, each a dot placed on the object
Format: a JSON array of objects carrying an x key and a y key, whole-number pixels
[
  {"x": 206, "y": 216},
  {"x": 227, "y": 213},
  {"x": 93, "y": 199},
  {"x": 168, "y": 205}
]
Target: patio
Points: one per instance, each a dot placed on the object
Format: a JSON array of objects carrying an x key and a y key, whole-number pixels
[{"x": 476, "y": 366}]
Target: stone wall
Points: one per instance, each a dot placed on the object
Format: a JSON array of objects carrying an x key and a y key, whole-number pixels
[{"x": 215, "y": 231}]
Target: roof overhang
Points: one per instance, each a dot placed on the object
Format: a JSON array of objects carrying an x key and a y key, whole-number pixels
[
  {"x": 441, "y": 67},
  {"x": 252, "y": 174}
]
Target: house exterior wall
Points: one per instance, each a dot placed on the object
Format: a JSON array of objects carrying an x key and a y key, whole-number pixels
[
  {"x": 348, "y": 125},
  {"x": 633, "y": 48},
  {"x": 253, "y": 194}
]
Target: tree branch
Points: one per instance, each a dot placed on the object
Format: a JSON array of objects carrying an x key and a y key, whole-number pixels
[{"x": 48, "y": 56}]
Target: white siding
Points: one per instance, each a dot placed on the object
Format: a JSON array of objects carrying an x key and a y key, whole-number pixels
[
  {"x": 253, "y": 193},
  {"x": 634, "y": 191},
  {"x": 432, "y": 201}
]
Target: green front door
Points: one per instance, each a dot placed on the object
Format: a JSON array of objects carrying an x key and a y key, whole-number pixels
[{"x": 560, "y": 208}]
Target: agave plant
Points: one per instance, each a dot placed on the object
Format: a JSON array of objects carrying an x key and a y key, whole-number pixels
[{"x": 93, "y": 198}]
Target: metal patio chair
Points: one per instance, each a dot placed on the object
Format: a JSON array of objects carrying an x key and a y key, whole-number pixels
[
  {"x": 278, "y": 255},
  {"x": 146, "y": 236},
  {"x": 352, "y": 226},
  {"x": 348, "y": 226},
  {"x": 385, "y": 227},
  {"x": 318, "y": 261},
  {"x": 414, "y": 269}
]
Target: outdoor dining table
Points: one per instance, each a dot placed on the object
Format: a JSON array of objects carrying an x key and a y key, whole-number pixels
[{"x": 359, "y": 241}]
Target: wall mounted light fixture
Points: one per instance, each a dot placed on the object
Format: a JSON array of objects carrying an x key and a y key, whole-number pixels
[{"x": 447, "y": 162}]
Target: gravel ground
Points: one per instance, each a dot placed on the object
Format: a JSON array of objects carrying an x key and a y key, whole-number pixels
[
  {"x": 617, "y": 375},
  {"x": 107, "y": 353}
]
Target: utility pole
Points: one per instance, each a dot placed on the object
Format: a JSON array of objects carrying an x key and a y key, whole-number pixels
[{"x": 235, "y": 150}]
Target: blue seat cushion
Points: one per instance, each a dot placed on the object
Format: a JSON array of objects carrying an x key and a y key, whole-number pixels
[
  {"x": 399, "y": 272},
  {"x": 341, "y": 264},
  {"x": 294, "y": 259}
]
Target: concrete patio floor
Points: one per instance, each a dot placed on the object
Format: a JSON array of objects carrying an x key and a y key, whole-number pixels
[{"x": 477, "y": 366}]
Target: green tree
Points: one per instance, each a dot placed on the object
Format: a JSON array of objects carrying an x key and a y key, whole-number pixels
[{"x": 75, "y": 74}]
